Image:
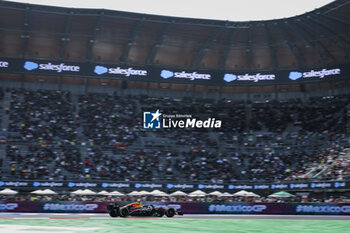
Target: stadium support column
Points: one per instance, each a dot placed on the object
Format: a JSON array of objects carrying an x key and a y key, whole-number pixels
[
  {"x": 248, "y": 93},
  {"x": 249, "y": 49},
  {"x": 65, "y": 38},
  {"x": 92, "y": 39},
  {"x": 271, "y": 50},
  {"x": 193, "y": 91},
  {"x": 22, "y": 80},
  {"x": 147, "y": 88},
  {"x": 85, "y": 85},
  {"x": 303, "y": 91},
  {"x": 124, "y": 56},
  {"x": 188, "y": 89},
  {"x": 319, "y": 92},
  {"x": 276, "y": 92},
  {"x": 248, "y": 113},
  {"x": 144, "y": 88},
  {"x": 60, "y": 83},
  {"x": 124, "y": 85},
  {"x": 6, "y": 103},
  {"x": 205, "y": 94},
  {"x": 25, "y": 36},
  {"x": 227, "y": 49}
]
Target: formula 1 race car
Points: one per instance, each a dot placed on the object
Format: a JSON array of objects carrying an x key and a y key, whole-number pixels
[{"x": 137, "y": 209}]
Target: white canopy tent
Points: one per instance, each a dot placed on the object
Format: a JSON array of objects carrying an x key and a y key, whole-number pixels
[
  {"x": 116, "y": 193},
  {"x": 159, "y": 193},
  {"x": 48, "y": 192},
  {"x": 38, "y": 192},
  {"x": 226, "y": 194},
  {"x": 197, "y": 193},
  {"x": 282, "y": 194},
  {"x": 178, "y": 193},
  {"x": 88, "y": 192},
  {"x": 144, "y": 193},
  {"x": 8, "y": 191},
  {"x": 215, "y": 193},
  {"x": 77, "y": 192},
  {"x": 242, "y": 193},
  {"x": 103, "y": 192},
  {"x": 84, "y": 192},
  {"x": 133, "y": 193},
  {"x": 253, "y": 194}
]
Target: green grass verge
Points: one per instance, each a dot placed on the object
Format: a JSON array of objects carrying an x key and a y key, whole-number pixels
[{"x": 173, "y": 225}]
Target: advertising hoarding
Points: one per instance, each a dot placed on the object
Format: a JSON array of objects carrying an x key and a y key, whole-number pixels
[{"x": 172, "y": 75}]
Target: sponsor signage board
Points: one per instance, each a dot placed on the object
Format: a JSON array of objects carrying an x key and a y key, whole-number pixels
[
  {"x": 234, "y": 186},
  {"x": 185, "y": 207},
  {"x": 172, "y": 75}
]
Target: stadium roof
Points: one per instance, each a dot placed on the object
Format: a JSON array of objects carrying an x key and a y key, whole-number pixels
[
  {"x": 218, "y": 10},
  {"x": 316, "y": 38}
]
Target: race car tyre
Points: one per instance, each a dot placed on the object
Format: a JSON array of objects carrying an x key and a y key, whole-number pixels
[
  {"x": 110, "y": 206},
  {"x": 113, "y": 213},
  {"x": 124, "y": 212},
  {"x": 159, "y": 213},
  {"x": 170, "y": 212},
  {"x": 153, "y": 210}
]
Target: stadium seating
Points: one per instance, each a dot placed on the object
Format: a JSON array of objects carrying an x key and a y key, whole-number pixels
[{"x": 99, "y": 136}]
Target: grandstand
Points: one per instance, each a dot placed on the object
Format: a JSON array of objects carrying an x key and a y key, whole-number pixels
[{"x": 73, "y": 95}]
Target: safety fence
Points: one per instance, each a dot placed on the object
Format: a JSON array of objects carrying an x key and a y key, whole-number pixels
[{"x": 185, "y": 207}]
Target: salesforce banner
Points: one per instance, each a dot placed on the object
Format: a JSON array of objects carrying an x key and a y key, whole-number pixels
[
  {"x": 280, "y": 208},
  {"x": 187, "y": 187},
  {"x": 53, "y": 207},
  {"x": 185, "y": 207},
  {"x": 170, "y": 75}
]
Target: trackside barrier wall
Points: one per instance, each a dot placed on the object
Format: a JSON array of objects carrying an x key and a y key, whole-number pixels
[{"x": 186, "y": 207}]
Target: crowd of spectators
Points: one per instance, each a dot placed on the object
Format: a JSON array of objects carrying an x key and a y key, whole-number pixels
[
  {"x": 100, "y": 136},
  {"x": 335, "y": 165},
  {"x": 273, "y": 116},
  {"x": 43, "y": 117},
  {"x": 199, "y": 164},
  {"x": 324, "y": 114},
  {"x": 328, "y": 164},
  {"x": 108, "y": 119},
  {"x": 336, "y": 198},
  {"x": 32, "y": 165},
  {"x": 50, "y": 162},
  {"x": 316, "y": 114},
  {"x": 339, "y": 169}
]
